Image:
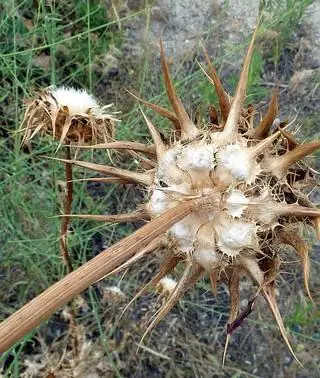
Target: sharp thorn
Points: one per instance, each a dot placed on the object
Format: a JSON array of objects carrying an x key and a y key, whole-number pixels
[{"x": 188, "y": 129}]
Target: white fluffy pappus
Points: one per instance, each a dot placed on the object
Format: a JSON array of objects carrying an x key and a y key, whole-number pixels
[
  {"x": 185, "y": 232},
  {"x": 78, "y": 101},
  {"x": 207, "y": 258},
  {"x": 114, "y": 290},
  {"x": 167, "y": 169},
  {"x": 198, "y": 157},
  {"x": 236, "y": 203},
  {"x": 235, "y": 235},
  {"x": 164, "y": 199},
  {"x": 159, "y": 203},
  {"x": 167, "y": 285},
  {"x": 236, "y": 159}
]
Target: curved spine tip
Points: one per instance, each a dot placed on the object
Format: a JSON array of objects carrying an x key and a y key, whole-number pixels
[
  {"x": 231, "y": 126},
  {"x": 216, "y": 82},
  {"x": 188, "y": 129},
  {"x": 264, "y": 144},
  {"x": 251, "y": 265},
  {"x": 122, "y": 145},
  {"x": 160, "y": 146},
  {"x": 160, "y": 110},
  {"x": 279, "y": 165},
  {"x": 291, "y": 238},
  {"x": 262, "y": 130},
  {"x": 143, "y": 178}
]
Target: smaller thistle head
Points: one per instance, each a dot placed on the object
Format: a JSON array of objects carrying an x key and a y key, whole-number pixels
[{"x": 70, "y": 115}]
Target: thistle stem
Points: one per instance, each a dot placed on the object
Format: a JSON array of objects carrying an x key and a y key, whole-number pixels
[
  {"x": 64, "y": 243},
  {"x": 42, "y": 306},
  {"x": 67, "y": 211}
]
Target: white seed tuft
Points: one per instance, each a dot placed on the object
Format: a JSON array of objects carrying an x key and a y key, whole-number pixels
[
  {"x": 237, "y": 160},
  {"x": 164, "y": 199},
  {"x": 167, "y": 285},
  {"x": 235, "y": 235},
  {"x": 167, "y": 168},
  {"x": 186, "y": 231},
  {"x": 236, "y": 203},
  {"x": 184, "y": 234},
  {"x": 159, "y": 202},
  {"x": 207, "y": 258},
  {"x": 78, "y": 101},
  {"x": 199, "y": 157}
]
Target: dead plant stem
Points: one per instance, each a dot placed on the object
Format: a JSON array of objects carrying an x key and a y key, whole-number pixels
[
  {"x": 64, "y": 245},
  {"x": 60, "y": 293},
  {"x": 67, "y": 211}
]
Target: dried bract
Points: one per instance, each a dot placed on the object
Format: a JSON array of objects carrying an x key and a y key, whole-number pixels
[{"x": 69, "y": 115}]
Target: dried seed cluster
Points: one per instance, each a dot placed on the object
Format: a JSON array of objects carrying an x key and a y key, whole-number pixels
[
  {"x": 253, "y": 176},
  {"x": 69, "y": 115}
]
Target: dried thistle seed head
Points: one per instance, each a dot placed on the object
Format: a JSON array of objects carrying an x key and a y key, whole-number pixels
[
  {"x": 69, "y": 115},
  {"x": 255, "y": 184}
]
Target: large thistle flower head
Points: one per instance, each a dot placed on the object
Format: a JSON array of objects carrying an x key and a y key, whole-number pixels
[
  {"x": 68, "y": 115},
  {"x": 246, "y": 184}
]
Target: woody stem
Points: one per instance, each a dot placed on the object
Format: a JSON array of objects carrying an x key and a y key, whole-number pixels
[
  {"x": 42, "y": 306},
  {"x": 67, "y": 210}
]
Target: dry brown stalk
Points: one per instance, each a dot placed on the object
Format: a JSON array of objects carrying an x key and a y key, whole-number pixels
[
  {"x": 64, "y": 243},
  {"x": 123, "y": 145},
  {"x": 45, "y": 304},
  {"x": 67, "y": 211},
  {"x": 116, "y": 218}
]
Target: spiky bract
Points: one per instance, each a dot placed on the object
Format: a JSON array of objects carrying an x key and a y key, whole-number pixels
[{"x": 255, "y": 179}]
